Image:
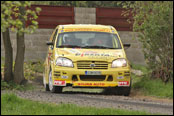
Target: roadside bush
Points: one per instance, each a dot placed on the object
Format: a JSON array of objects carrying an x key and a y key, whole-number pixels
[
  {"x": 154, "y": 21},
  {"x": 31, "y": 68},
  {"x": 148, "y": 86},
  {"x": 151, "y": 87},
  {"x": 13, "y": 86}
]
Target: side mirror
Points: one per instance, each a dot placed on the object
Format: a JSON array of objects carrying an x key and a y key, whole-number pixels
[
  {"x": 49, "y": 43},
  {"x": 126, "y": 46}
]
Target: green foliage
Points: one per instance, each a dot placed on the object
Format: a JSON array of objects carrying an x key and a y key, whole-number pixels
[
  {"x": 150, "y": 87},
  {"x": 80, "y": 3},
  {"x": 30, "y": 72},
  {"x": 153, "y": 87},
  {"x": 143, "y": 68},
  {"x": 14, "y": 105},
  {"x": 31, "y": 68},
  {"x": 11, "y": 17},
  {"x": 13, "y": 86},
  {"x": 154, "y": 21}
]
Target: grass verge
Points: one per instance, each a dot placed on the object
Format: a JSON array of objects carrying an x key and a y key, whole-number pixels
[
  {"x": 155, "y": 88},
  {"x": 151, "y": 87},
  {"x": 12, "y": 105}
]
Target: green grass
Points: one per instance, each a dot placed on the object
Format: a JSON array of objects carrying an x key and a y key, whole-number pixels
[
  {"x": 12, "y": 105},
  {"x": 151, "y": 87},
  {"x": 155, "y": 87},
  {"x": 143, "y": 68}
]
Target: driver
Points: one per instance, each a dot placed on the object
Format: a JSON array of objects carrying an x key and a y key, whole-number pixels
[
  {"x": 68, "y": 39},
  {"x": 102, "y": 40},
  {"x": 99, "y": 39}
]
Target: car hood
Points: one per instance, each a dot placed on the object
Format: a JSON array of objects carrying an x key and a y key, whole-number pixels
[{"x": 90, "y": 54}]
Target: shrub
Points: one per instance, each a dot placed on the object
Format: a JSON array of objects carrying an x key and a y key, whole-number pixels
[{"x": 154, "y": 21}]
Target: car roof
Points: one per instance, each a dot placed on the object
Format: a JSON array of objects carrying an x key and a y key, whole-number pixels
[{"x": 94, "y": 26}]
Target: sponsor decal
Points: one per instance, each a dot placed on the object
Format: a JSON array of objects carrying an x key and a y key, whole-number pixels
[
  {"x": 123, "y": 83},
  {"x": 93, "y": 54},
  {"x": 120, "y": 77},
  {"x": 98, "y": 84},
  {"x": 64, "y": 77},
  {"x": 73, "y": 51},
  {"x": 90, "y": 84},
  {"x": 60, "y": 83},
  {"x": 87, "y": 29}
]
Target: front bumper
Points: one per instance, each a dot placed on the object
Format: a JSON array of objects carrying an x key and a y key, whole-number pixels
[{"x": 112, "y": 77}]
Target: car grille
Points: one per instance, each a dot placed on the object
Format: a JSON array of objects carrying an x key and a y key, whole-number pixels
[
  {"x": 92, "y": 65},
  {"x": 92, "y": 77}
]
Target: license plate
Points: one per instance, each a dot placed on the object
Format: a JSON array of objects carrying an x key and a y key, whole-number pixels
[{"x": 92, "y": 72}]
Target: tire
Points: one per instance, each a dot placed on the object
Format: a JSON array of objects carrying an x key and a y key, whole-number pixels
[
  {"x": 121, "y": 91},
  {"x": 126, "y": 90},
  {"x": 118, "y": 90},
  {"x": 57, "y": 89},
  {"x": 52, "y": 88},
  {"x": 45, "y": 85}
]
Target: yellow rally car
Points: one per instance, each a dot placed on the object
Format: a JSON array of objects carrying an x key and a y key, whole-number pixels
[{"x": 86, "y": 56}]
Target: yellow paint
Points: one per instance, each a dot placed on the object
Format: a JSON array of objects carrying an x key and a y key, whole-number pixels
[
  {"x": 94, "y": 84},
  {"x": 107, "y": 55},
  {"x": 86, "y": 29}
]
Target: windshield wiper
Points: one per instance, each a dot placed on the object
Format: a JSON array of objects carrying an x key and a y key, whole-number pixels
[
  {"x": 69, "y": 46},
  {"x": 98, "y": 47}
]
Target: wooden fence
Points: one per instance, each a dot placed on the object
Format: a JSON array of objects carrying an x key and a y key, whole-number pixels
[
  {"x": 51, "y": 16},
  {"x": 114, "y": 17}
]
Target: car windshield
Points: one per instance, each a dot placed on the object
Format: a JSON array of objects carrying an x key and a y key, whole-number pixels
[{"x": 93, "y": 40}]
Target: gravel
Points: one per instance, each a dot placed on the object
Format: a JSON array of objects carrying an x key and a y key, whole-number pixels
[{"x": 97, "y": 100}]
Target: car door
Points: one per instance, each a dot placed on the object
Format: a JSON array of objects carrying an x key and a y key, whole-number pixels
[
  {"x": 51, "y": 48},
  {"x": 49, "y": 54}
]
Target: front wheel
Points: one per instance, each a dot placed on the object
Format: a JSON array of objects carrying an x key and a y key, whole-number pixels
[
  {"x": 52, "y": 88},
  {"x": 45, "y": 85},
  {"x": 125, "y": 90},
  {"x": 118, "y": 90}
]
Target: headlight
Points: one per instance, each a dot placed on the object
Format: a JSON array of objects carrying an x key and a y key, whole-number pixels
[
  {"x": 64, "y": 62},
  {"x": 119, "y": 63}
]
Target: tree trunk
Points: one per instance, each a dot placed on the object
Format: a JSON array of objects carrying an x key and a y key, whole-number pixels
[
  {"x": 19, "y": 61},
  {"x": 8, "y": 72}
]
